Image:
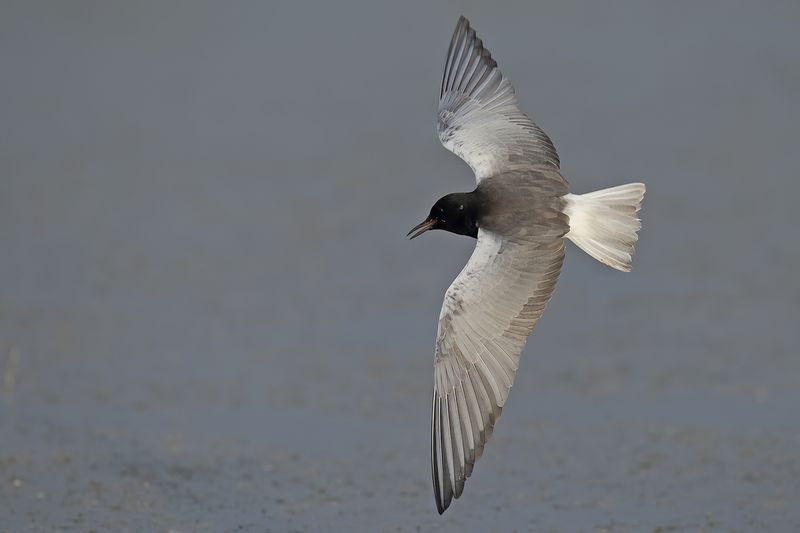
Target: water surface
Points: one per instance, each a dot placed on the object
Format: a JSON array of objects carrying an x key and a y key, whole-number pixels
[{"x": 210, "y": 319}]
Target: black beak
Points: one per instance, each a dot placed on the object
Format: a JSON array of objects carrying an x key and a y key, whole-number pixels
[{"x": 422, "y": 227}]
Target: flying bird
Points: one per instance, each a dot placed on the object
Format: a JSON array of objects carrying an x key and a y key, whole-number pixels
[{"x": 520, "y": 213}]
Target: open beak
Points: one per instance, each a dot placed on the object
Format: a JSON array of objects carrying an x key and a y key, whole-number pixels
[{"x": 421, "y": 228}]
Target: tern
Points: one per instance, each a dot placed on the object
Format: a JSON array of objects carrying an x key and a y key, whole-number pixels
[{"x": 520, "y": 213}]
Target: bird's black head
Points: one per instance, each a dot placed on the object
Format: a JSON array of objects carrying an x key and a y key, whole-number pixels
[{"x": 456, "y": 213}]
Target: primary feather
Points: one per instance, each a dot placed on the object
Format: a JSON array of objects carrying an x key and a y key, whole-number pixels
[{"x": 479, "y": 117}]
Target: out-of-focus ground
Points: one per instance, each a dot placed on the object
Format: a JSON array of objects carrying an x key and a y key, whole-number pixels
[{"x": 210, "y": 319}]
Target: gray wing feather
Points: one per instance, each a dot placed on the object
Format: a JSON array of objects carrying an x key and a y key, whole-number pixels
[
  {"x": 488, "y": 314},
  {"x": 479, "y": 118}
]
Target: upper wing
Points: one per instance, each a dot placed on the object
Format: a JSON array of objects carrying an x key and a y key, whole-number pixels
[
  {"x": 487, "y": 315},
  {"x": 479, "y": 117}
]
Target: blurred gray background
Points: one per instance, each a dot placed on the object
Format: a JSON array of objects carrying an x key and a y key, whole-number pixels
[{"x": 210, "y": 318}]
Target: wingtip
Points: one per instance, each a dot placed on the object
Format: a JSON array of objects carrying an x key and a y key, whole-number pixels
[
  {"x": 443, "y": 505},
  {"x": 442, "y": 499},
  {"x": 463, "y": 22}
]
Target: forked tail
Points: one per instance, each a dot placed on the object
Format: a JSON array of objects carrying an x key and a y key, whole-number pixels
[{"x": 604, "y": 223}]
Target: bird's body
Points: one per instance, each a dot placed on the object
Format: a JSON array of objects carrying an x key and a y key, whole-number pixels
[
  {"x": 520, "y": 213},
  {"x": 523, "y": 202}
]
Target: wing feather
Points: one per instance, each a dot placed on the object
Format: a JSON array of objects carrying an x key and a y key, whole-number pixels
[
  {"x": 487, "y": 316},
  {"x": 479, "y": 118}
]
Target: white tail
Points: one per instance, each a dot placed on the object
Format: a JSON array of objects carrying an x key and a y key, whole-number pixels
[{"x": 604, "y": 223}]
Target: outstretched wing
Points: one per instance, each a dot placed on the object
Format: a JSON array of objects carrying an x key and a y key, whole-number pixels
[
  {"x": 479, "y": 117},
  {"x": 487, "y": 315}
]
